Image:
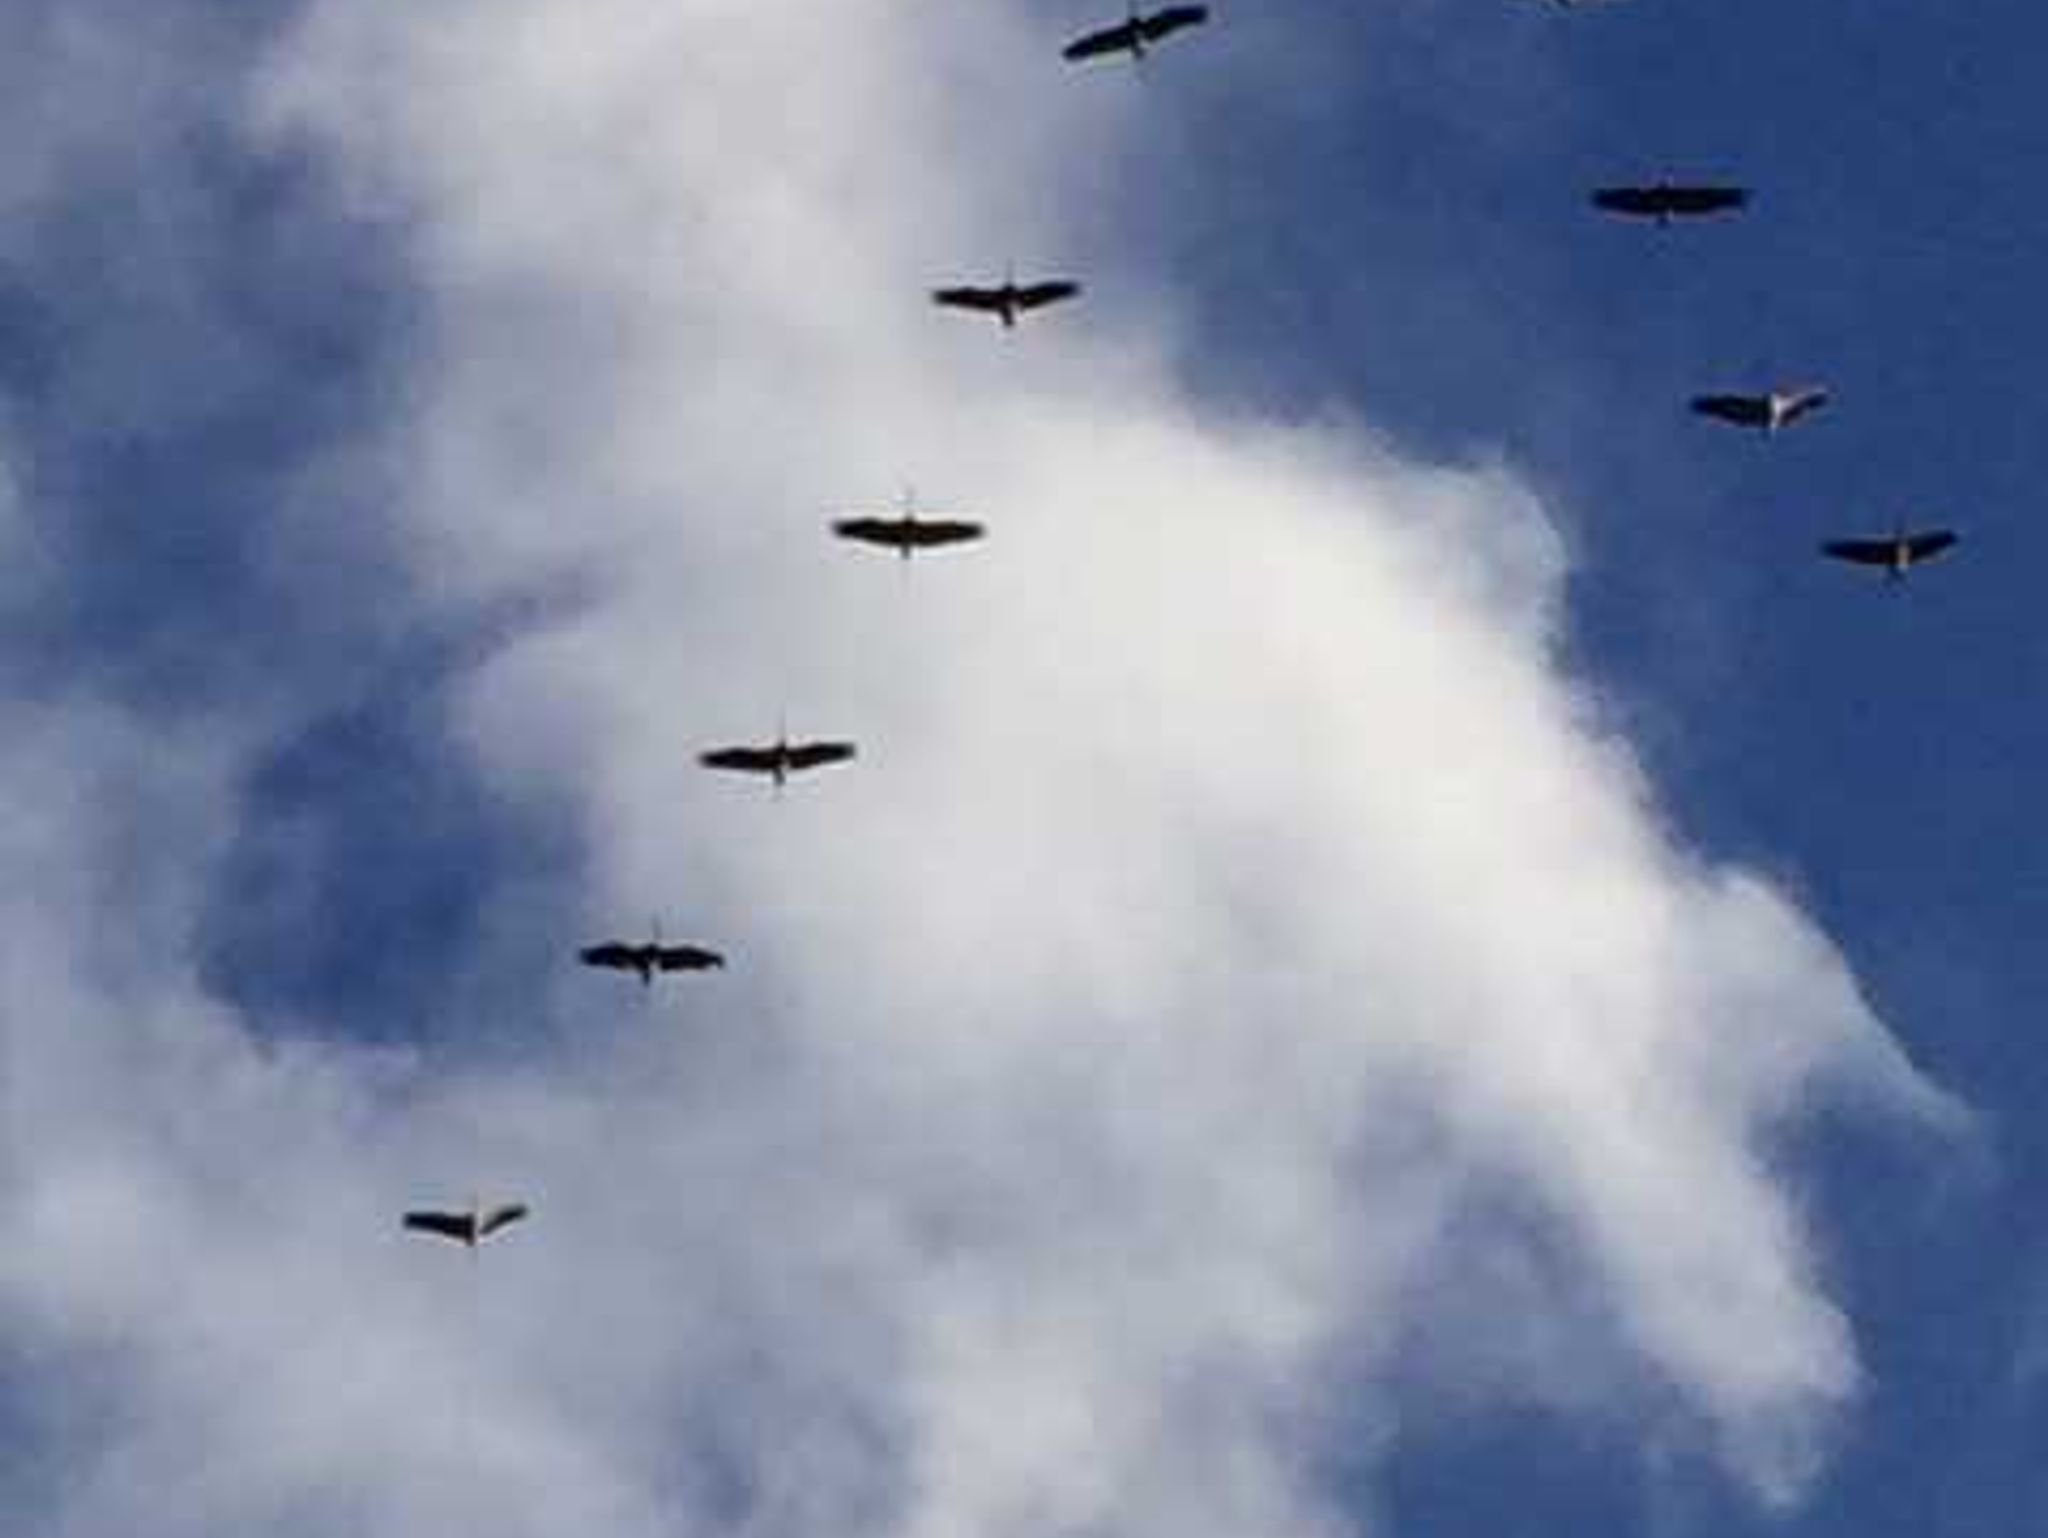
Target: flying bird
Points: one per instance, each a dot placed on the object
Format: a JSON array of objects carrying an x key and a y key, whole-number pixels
[
  {"x": 907, "y": 532},
  {"x": 650, "y": 957},
  {"x": 1897, "y": 554},
  {"x": 470, "y": 1227},
  {"x": 1665, "y": 201},
  {"x": 779, "y": 759},
  {"x": 1134, "y": 34},
  {"x": 1770, "y": 412},
  {"x": 1008, "y": 301}
]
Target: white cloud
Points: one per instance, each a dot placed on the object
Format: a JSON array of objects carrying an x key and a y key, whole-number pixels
[{"x": 1235, "y": 927}]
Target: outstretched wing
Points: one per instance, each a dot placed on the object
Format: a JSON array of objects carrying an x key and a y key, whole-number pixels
[
  {"x": 1628, "y": 200},
  {"x": 745, "y": 760},
  {"x": 1116, "y": 39},
  {"x": 1801, "y": 403},
  {"x": 1860, "y": 552},
  {"x": 1172, "y": 19},
  {"x": 809, "y": 755},
  {"x": 1744, "y": 410},
  {"x": 449, "y": 1225},
  {"x": 870, "y": 531},
  {"x": 1704, "y": 200},
  {"x": 968, "y": 297},
  {"x": 1921, "y": 547},
  {"x": 687, "y": 958},
  {"x": 1036, "y": 295},
  {"x": 943, "y": 531},
  {"x": 612, "y": 953},
  {"x": 500, "y": 1217}
]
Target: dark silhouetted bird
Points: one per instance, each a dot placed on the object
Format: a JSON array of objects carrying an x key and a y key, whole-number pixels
[
  {"x": 1007, "y": 302},
  {"x": 650, "y": 957},
  {"x": 470, "y": 1227},
  {"x": 779, "y": 759},
  {"x": 1665, "y": 201},
  {"x": 1897, "y": 554},
  {"x": 1136, "y": 33},
  {"x": 1771, "y": 412},
  {"x": 907, "y": 532}
]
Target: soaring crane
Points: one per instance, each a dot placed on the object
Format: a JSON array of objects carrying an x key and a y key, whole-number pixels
[
  {"x": 1896, "y": 554},
  {"x": 1009, "y": 300},
  {"x": 469, "y": 1227},
  {"x": 1136, "y": 32},
  {"x": 1771, "y": 412},
  {"x": 649, "y": 957},
  {"x": 907, "y": 532},
  {"x": 1665, "y": 201},
  {"x": 778, "y": 759}
]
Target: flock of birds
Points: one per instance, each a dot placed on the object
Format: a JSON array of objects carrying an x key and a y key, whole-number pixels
[{"x": 906, "y": 532}]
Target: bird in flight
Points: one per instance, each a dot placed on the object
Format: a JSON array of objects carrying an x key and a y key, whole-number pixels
[
  {"x": 907, "y": 532},
  {"x": 1665, "y": 201},
  {"x": 650, "y": 957},
  {"x": 1770, "y": 412},
  {"x": 1007, "y": 302},
  {"x": 470, "y": 1227},
  {"x": 1897, "y": 554},
  {"x": 779, "y": 759},
  {"x": 1135, "y": 33}
]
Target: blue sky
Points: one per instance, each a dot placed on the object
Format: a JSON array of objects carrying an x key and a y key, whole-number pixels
[
  {"x": 1878, "y": 749},
  {"x": 1373, "y": 215}
]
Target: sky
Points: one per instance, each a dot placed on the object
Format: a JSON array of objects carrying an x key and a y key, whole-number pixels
[{"x": 1401, "y": 959}]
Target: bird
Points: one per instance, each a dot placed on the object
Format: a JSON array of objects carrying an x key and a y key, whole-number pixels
[
  {"x": 1665, "y": 201},
  {"x": 469, "y": 1227},
  {"x": 1007, "y": 302},
  {"x": 1770, "y": 412},
  {"x": 1135, "y": 32},
  {"x": 1896, "y": 554},
  {"x": 779, "y": 759},
  {"x": 649, "y": 957},
  {"x": 907, "y": 532}
]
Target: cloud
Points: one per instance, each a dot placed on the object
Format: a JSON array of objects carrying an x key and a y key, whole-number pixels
[{"x": 1239, "y": 949}]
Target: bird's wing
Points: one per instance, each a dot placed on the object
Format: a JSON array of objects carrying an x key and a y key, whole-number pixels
[
  {"x": 1626, "y": 200},
  {"x": 944, "y": 531},
  {"x": 687, "y": 958},
  {"x": 968, "y": 297},
  {"x": 500, "y": 1217},
  {"x": 1921, "y": 547},
  {"x": 1802, "y": 402},
  {"x": 1704, "y": 200},
  {"x": 1173, "y": 18},
  {"x": 449, "y": 1225},
  {"x": 612, "y": 953},
  {"x": 1034, "y": 295},
  {"x": 1116, "y": 39},
  {"x": 1863, "y": 552},
  {"x": 1745, "y": 409},
  {"x": 808, "y": 755},
  {"x": 875, "y": 531},
  {"x": 746, "y": 760}
]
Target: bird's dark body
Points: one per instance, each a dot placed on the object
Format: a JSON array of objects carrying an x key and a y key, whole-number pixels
[
  {"x": 1897, "y": 554},
  {"x": 651, "y": 957},
  {"x": 778, "y": 760},
  {"x": 1665, "y": 201},
  {"x": 471, "y": 1227},
  {"x": 1134, "y": 35},
  {"x": 1767, "y": 413},
  {"x": 1007, "y": 301},
  {"x": 908, "y": 532}
]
